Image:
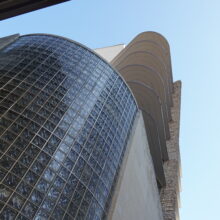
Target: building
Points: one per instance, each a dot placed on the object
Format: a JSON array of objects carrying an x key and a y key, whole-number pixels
[
  {"x": 85, "y": 138},
  {"x": 145, "y": 64}
]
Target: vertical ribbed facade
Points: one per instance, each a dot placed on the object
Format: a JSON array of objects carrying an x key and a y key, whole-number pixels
[{"x": 145, "y": 66}]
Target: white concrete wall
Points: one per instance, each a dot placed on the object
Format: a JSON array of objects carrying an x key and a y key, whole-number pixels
[
  {"x": 109, "y": 53},
  {"x": 136, "y": 195}
]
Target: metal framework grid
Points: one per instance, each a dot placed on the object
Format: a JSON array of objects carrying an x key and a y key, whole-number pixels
[{"x": 66, "y": 116}]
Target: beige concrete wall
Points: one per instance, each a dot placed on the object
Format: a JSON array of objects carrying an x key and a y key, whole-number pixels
[
  {"x": 109, "y": 53},
  {"x": 136, "y": 195}
]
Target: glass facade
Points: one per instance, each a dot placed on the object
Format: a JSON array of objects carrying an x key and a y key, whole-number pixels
[{"x": 66, "y": 116}]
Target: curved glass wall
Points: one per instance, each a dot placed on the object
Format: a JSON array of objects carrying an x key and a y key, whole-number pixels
[{"x": 65, "y": 120}]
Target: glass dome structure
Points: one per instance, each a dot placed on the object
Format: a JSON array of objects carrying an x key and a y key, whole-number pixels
[{"x": 66, "y": 116}]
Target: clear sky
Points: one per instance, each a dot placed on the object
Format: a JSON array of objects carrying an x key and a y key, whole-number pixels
[{"x": 192, "y": 28}]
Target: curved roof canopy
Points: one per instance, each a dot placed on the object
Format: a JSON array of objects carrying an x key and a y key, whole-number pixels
[{"x": 11, "y": 8}]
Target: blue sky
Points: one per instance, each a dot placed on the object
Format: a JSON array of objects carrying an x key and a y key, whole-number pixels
[{"x": 192, "y": 28}]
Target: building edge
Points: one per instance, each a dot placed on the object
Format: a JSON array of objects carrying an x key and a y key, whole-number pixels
[{"x": 169, "y": 194}]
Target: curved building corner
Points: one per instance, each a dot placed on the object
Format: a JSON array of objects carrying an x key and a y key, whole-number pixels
[
  {"x": 145, "y": 64},
  {"x": 66, "y": 116}
]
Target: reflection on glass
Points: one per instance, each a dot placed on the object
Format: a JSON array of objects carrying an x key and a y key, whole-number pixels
[{"x": 66, "y": 116}]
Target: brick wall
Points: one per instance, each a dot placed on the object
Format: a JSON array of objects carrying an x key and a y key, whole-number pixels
[{"x": 170, "y": 194}]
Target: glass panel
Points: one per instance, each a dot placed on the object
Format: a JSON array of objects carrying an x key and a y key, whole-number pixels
[{"x": 65, "y": 119}]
